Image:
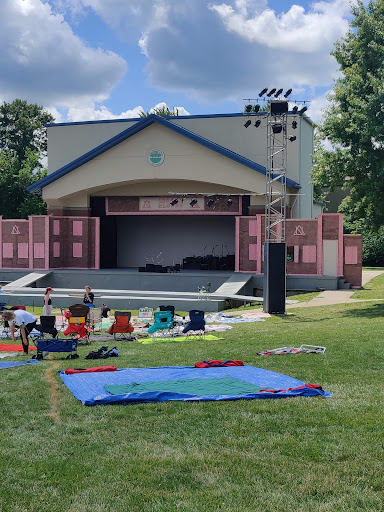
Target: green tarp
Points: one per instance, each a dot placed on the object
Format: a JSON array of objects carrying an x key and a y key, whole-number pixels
[{"x": 220, "y": 386}]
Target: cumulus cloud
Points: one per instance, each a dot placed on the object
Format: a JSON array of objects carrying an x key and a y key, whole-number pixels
[
  {"x": 215, "y": 51},
  {"x": 43, "y": 61}
]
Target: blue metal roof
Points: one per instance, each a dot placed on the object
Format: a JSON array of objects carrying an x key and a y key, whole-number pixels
[{"x": 136, "y": 128}]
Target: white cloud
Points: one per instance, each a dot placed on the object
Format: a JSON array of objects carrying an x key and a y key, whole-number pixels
[
  {"x": 317, "y": 106},
  {"x": 43, "y": 61},
  {"x": 214, "y": 51},
  {"x": 92, "y": 112},
  {"x": 294, "y": 30}
]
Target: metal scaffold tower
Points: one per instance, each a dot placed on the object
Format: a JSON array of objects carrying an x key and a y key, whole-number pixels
[{"x": 276, "y": 187}]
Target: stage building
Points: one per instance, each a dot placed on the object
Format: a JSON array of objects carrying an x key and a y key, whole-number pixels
[{"x": 187, "y": 191}]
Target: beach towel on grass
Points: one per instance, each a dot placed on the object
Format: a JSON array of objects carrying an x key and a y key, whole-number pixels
[
  {"x": 90, "y": 387},
  {"x": 11, "y": 364}
]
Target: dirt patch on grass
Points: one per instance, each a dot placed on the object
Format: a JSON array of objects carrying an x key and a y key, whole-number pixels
[{"x": 53, "y": 391}]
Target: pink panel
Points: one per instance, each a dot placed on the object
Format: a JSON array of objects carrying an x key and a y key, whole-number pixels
[
  {"x": 22, "y": 250},
  {"x": 350, "y": 255},
  {"x": 296, "y": 253},
  {"x": 7, "y": 250},
  {"x": 56, "y": 227},
  {"x": 252, "y": 252},
  {"x": 309, "y": 253},
  {"x": 252, "y": 227},
  {"x": 78, "y": 227},
  {"x": 77, "y": 250},
  {"x": 38, "y": 250},
  {"x": 56, "y": 249}
]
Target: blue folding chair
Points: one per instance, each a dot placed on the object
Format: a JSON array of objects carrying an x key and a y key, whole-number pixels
[{"x": 195, "y": 328}]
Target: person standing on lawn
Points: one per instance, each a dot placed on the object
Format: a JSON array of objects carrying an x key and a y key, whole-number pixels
[
  {"x": 25, "y": 321},
  {"x": 47, "y": 308}
]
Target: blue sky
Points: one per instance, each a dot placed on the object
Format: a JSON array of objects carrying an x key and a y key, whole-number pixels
[{"x": 104, "y": 59}]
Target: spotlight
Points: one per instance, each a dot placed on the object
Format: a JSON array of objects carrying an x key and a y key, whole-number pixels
[
  {"x": 287, "y": 93},
  {"x": 272, "y": 91},
  {"x": 173, "y": 202},
  {"x": 304, "y": 109},
  {"x": 278, "y": 93},
  {"x": 193, "y": 202},
  {"x": 294, "y": 125},
  {"x": 229, "y": 202},
  {"x": 247, "y": 123},
  {"x": 256, "y": 108},
  {"x": 248, "y": 108},
  {"x": 263, "y": 92},
  {"x": 257, "y": 123},
  {"x": 277, "y": 128},
  {"x": 292, "y": 139},
  {"x": 295, "y": 109},
  {"x": 210, "y": 202}
]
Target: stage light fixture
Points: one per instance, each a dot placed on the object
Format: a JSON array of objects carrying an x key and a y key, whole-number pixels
[
  {"x": 174, "y": 202},
  {"x": 278, "y": 93},
  {"x": 248, "y": 108},
  {"x": 272, "y": 91},
  {"x": 294, "y": 125},
  {"x": 256, "y": 108},
  {"x": 295, "y": 109},
  {"x": 257, "y": 123},
  {"x": 229, "y": 202},
  {"x": 293, "y": 138},
  {"x": 210, "y": 202},
  {"x": 304, "y": 109},
  {"x": 193, "y": 202},
  {"x": 263, "y": 92},
  {"x": 247, "y": 123},
  {"x": 277, "y": 128},
  {"x": 287, "y": 93}
]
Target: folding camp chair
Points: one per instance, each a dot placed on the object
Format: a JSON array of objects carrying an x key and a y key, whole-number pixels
[
  {"x": 47, "y": 326},
  {"x": 163, "y": 325},
  {"x": 78, "y": 318},
  {"x": 122, "y": 328},
  {"x": 94, "y": 318},
  {"x": 195, "y": 328}
]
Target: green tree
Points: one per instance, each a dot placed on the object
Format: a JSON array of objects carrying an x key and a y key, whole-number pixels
[
  {"x": 23, "y": 144},
  {"x": 15, "y": 177},
  {"x": 161, "y": 111},
  {"x": 22, "y": 127},
  {"x": 354, "y": 121}
]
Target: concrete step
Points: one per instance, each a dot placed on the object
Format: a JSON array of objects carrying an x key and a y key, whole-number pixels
[{"x": 342, "y": 284}]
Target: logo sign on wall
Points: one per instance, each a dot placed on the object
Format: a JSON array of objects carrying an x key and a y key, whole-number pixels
[{"x": 156, "y": 157}]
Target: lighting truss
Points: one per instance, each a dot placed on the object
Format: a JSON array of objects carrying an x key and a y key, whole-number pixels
[{"x": 276, "y": 178}]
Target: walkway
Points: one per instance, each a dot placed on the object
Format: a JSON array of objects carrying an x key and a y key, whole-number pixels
[{"x": 330, "y": 297}]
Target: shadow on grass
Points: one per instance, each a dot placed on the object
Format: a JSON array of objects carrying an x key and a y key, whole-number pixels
[
  {"x": 301, "y": 319},
  {"x": 373, "y": 311}
]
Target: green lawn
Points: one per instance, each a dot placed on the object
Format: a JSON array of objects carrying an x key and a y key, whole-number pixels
[
  {"x": 292, "y": 455},
  {"x": 374, "y": 289}
]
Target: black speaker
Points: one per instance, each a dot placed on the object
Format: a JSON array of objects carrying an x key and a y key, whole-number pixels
[
  {"x": 274, "y": 277},
  {"x": 279, "y": 107}
]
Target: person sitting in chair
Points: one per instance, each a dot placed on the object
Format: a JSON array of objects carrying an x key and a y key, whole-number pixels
[{"x": 25, "y": 321}]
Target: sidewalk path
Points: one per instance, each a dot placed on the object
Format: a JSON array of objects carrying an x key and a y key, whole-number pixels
[{"x": 329, "y": 297}]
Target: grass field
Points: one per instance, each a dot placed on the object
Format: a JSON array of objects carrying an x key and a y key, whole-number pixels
[
  {"x": 374, "y": 289},
  {"x": 299, "y": 454}
]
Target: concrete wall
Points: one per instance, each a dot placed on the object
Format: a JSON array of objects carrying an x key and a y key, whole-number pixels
[
  {"x": 127, "y": 162},
  {"x": 166, "y": 240}
]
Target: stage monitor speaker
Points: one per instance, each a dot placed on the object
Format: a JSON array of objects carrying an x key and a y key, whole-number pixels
[
  {"x": 279, "y": 107},
  {"x": 274, "y": 277}
]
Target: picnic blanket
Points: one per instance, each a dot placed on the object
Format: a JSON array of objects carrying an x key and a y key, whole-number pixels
[
  {"x": 90, "y": 388},
  {"x": 11, "y": 364},
  {"x": 14, "y": 348},
  {"x": 146, "y": 341}
]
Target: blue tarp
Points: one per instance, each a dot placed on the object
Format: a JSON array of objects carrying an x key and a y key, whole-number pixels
[
  {"x": 11, "y": 364},
  {"x": 89, "y": 387}
]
